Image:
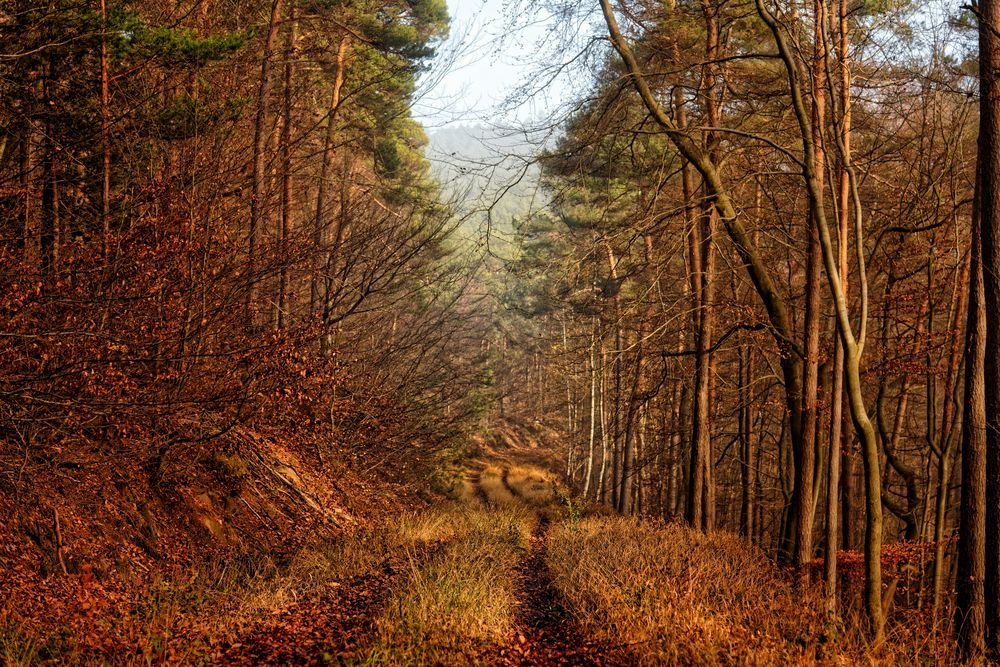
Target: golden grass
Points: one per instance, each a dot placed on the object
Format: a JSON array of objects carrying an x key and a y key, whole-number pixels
[
  {"x": 229, "y": 596},
  {"x": 535, "y": 486},
  {"x": 677, "y": 596},
  {"x": 311, "y": 570},
  {"x": 497, "y": 493},
  {"x": 346, "y": 557},
  {"x": 226, "y": 595},
  {"x": 467, "y": 494},
  {"x": 463, "y": 599},
  {"x": 442, "y": 523}
]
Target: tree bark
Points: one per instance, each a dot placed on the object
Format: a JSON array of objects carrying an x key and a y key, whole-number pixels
[
  {"x": 853, "y": 343},
  {"x": 286, "y": 164},
  {"x": 258, "y": 166},
  {"x": 989, "y": 212},
  {"x": 105, "y": 134},
  {"x": 804, "y": 449},
  {"x": 970, "y": 607},
  {"x": 747, "y": 466},
  {"x": 837, "y": 393},
  {"x": 946, "y": 438},
  {"x": 593, "y": 410},
  {"x": 319, "y": 220}
]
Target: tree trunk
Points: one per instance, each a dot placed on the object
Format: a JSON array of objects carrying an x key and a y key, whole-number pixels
[
  {"x": 105, "y": 134},
  {"x": 946, "y": 438},
  {"x": 989, "y": 211},
  {"x": 259, "y": 163},
  {"x": 854, "y": 343},
  {"x": 990, "y": 225},
  {"x": 804, "y": 452},
  {"x": 837, "y": 393},
  {"x": 756, "y": 266},
  {"x": 970, "y": 607},
  {"x": 593, "y": 407},
  {"x": 31, "y": 209},
  {"x": 286, "y": 165},
  {"x": 616, "y": 416},
  {"x": 603, "y": 477},
  {"x": 747, "y": 470},
  {"x": 319, "y": 221}
]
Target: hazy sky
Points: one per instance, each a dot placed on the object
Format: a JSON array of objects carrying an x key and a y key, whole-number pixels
[
  {"x": 472, "y": 75},
  {"x": 492, "y": 50}
]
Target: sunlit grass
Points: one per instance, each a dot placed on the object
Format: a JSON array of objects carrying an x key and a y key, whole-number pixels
[
  {"x": 677, "y": 596},
  {"x": 497, "y": 493},
  {"x": 463, "y": 600},
  {"x": 535, "y": 486}
]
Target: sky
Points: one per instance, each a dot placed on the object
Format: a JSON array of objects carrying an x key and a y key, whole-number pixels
[
  {"x": 492, "y": 50},
  {"x": 473, "y": 74}
]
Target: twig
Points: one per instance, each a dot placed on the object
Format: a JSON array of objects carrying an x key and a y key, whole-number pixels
[{"x": 59, "y": 555}]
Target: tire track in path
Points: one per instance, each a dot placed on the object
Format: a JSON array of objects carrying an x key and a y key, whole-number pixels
[
  {"x": 546, "y": 632},
  {"x": 475, "y": 477}
]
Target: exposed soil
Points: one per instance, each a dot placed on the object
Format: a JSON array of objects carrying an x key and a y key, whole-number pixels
[{"x": 546, "y": 632}]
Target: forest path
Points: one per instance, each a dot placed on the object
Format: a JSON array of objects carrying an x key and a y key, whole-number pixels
[
  {"x": 467, "y": 582},
  {"x": 545, "y": 631}
]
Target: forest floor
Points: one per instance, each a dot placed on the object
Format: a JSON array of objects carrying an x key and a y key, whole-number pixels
[
  {"x": 464, "y": 583},
  {"x": 511, "y": 570}
]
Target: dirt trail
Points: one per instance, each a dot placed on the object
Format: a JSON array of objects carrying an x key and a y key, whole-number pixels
[
  {"x": 334, "y": 627},
  {"x": 546, "y": 633}
]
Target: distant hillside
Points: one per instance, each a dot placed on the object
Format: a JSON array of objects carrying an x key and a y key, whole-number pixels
[{"x": 488, "y": 175}]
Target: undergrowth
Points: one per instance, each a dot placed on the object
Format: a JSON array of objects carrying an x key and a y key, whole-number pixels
[
  {"x": 180, "y": 619},
  {"x": 676, "y": 596},
  {"x": 671, "y": 595},
  {"x": 535, "y": 486},
  {"x": 491, "y": 481},
  {"x": 462, "y": 601}
]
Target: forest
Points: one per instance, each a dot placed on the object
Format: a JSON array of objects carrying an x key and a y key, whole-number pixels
[{"x": 701, "y": 366}]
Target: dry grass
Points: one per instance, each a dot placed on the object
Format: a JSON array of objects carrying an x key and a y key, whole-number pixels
[
  {"x": 312, "y": 569},
  {"x": 434, "y": 525},
  {"x": 497, "y": 493},
  {"x": 226, "y": 597},
  {"x": 463, "y": 599},
  {"x": 467, "y": 494},
  {"x": 182, "y": 616},
  {"x": 680, "y": 597},
  {"x": 672, "y": 595},
  {"x": 536, "y": 486},
  {"x": 20, "y": 647}
]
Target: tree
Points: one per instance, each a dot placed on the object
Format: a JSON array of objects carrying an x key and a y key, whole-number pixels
[
  {"x": 989, "y": 226},
  {"x": 970, "y": 608}
]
